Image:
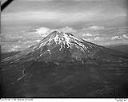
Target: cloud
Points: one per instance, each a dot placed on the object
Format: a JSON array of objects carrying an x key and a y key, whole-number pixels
[
  {"x": 92, "y": 34},
  {"x": 116, "y": 38},
  {"x": 42, "y": 31},
  {"x": 65, "y": 12},
  {"x": 14, "y": 48},
  {"x": 56, "y": 16},
  {"x": 94, "y": 39},
  {"x": 96, "y": 27},
  {"x": 87, "y": 34},
  {"x": 67, "y": 29},
  {"x": 97, "y": 38},
  {"x": 37, "y": 40},
  {"x": 125, "y": 36}
]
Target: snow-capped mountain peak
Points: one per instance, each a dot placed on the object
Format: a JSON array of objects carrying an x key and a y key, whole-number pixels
[
  {"x": 60, "y": 38},
  {"x": 60, "y": 46},
  {"x": 56, "y": 42}
]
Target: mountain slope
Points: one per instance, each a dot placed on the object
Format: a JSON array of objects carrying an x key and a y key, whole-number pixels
[
  {"x": 61, "y": 65},
  {"x": 59, "y": 46}
]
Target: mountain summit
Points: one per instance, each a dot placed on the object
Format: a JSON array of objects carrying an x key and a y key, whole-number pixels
[{"x": 60, "y": 46}]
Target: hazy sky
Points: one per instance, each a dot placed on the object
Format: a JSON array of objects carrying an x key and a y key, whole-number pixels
[
  {"x": 98, "y": 21},
  {"x": 75, "y": 13}
]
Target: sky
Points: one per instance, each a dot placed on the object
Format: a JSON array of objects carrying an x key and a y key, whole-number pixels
[
  {"x": 98, "y": 21},
  {"x": 75, "y": 13}
]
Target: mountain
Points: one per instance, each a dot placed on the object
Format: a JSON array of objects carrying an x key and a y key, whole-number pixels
[
  {"x": 61, "y": 65},
  {"x": 59, "y": 46},
  {"x": 120, "y": 47}
]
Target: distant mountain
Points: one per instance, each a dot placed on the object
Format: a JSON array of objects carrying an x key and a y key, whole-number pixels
[
  {"x": 61, "y": 65},
  {"x": 59, "y": 46},
  {"x": 120, "y": 47}
]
